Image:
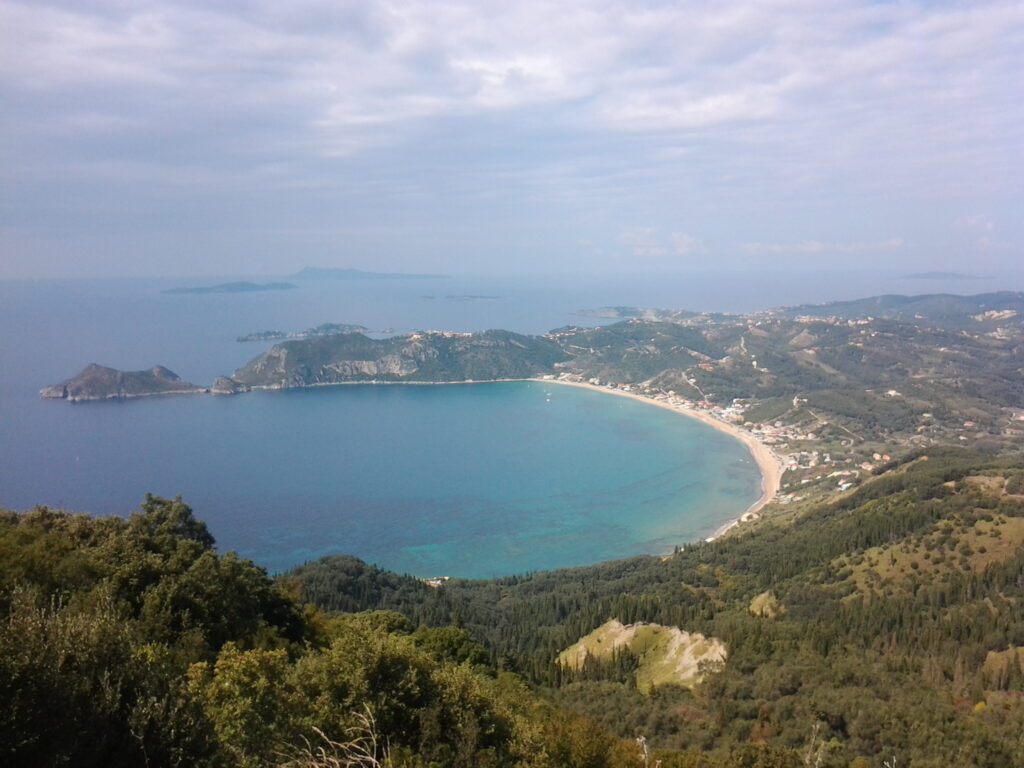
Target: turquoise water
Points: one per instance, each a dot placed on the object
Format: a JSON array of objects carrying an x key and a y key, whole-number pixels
[{"x": 460, "y": 480}]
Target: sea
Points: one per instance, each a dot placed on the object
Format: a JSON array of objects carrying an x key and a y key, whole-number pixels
[{"x": 475, "y": 480}]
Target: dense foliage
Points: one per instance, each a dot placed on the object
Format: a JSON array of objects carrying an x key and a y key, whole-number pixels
[{"x": 132, "y": 642}]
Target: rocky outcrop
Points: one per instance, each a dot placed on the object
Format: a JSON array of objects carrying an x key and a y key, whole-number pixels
[
  {"x": 222, "y": 385},
  {"x": 97, "y": 382},
  {"x": 665, "y": 655}
]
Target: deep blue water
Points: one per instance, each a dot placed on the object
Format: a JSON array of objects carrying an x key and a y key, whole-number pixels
[{"x": 473, "y": 480}]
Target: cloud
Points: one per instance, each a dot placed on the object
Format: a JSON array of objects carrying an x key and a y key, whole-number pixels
[
  {"x": 686, "y": 245},
  {"x": 643, "y": 243},
  {"x": 646, "y": 243},
  {"x": 980, "y": 230},
  {"x": 748, "y": 116},
  {"x": 978, "y": 223},
  {"x": 689, "y": 66}
]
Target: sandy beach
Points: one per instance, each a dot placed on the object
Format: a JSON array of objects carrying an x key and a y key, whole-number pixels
[{"x": 767, "y": 462}]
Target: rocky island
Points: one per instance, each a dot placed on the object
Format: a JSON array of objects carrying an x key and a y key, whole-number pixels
[{"x": 97, "y": 382}]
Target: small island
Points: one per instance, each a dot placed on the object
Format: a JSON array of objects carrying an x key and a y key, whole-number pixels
[
  {"x": 97, "y": 382},
  {"x": 237, "y": 287},
  {"x": 324, "y": 329}
]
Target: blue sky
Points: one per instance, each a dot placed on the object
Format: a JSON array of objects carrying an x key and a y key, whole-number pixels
[{"x": 143, "y": 137}]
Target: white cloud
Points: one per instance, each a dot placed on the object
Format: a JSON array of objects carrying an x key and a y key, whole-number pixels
[
  {"x": 643, "y": 243},
  {"x": 646, "y": 243},
  {"x": 686, "y": 245},
  {"x": 980, "y": 230},
  {"x": 598, "y": 113},
  {"x": 978, "y": 223}
]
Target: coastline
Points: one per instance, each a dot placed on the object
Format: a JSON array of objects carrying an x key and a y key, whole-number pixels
[{"x": 768, "y": 463}]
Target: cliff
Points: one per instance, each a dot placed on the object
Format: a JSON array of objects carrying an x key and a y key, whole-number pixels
[
  {"x": 97, "y": 382},
  {"x": 426, "y": 356}
]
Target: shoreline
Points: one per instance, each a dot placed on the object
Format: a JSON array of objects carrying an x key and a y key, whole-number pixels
[
  {"x": 767, "y": 462},
  {"x": 769, "y": 465}
]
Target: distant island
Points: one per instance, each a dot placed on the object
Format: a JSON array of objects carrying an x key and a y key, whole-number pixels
[
  {"x": 237, "y": 287},
  {"x": 325, "y": 329},
  {"x": 333, "y": 273}
]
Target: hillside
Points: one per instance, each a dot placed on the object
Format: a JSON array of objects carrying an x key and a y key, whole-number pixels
[
  {"x": 425, "y": 356},
  {"x": 128, "y": 642}
]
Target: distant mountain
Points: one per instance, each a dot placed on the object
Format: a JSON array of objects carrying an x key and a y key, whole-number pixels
[
  {"x": 942, "y": 276},
  {"x": 941, "y": 310},
  {"x": 238, "y": 287},
  {"x": 331, "y": 273},
  {"x": 97, "y": 382}
]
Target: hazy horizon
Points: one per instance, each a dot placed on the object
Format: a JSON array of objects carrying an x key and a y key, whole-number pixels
[{"x": 192, "y": 139}]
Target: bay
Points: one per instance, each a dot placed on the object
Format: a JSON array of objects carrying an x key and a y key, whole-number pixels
[{"x": 473, "y": 480}]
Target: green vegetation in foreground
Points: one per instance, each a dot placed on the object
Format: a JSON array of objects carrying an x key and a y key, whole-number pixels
[
  {"x": 129, "y": 642},
  {"x": 132, "y": 642}
]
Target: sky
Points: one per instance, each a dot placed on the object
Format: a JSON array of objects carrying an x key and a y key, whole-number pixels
[{"x": 152, "y": 138}]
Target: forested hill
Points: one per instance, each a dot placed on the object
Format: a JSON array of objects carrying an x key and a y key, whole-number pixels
[
  {"x": 831, "y": 369},
  {"x": 982, "y": 312},
  {"x": 889, "y": 622},
  {"x": 424, "y": 356},
  {"x": 127, "y": 643}
]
